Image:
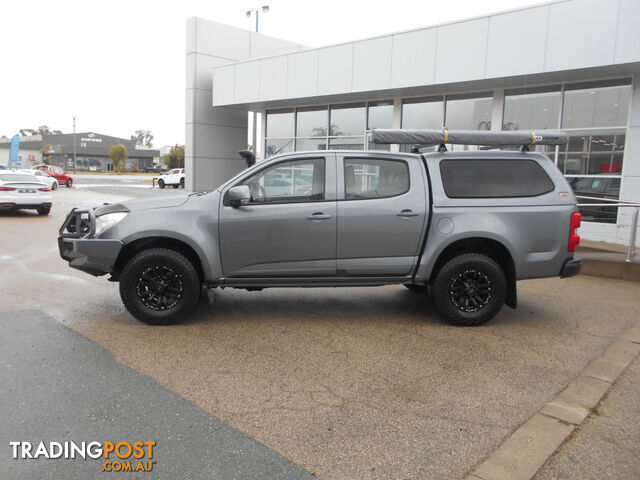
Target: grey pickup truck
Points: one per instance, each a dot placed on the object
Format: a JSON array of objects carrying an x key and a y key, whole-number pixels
[{"x": 462, "y": 225}]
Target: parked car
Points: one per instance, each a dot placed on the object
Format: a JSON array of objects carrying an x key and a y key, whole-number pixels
[
  {"x": 464, "y": 225},
  {"x": 59, "y": 174},
  {"x": 24, "y": 191},
  {"x": 174, "y": 177},
  {"x": 44, "y": 177},
  {"x": 607, "y": 188}
]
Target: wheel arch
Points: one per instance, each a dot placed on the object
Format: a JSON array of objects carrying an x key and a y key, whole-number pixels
[
  {"x": 485, "y": 246},
  {"x": 138, "y": 245}
]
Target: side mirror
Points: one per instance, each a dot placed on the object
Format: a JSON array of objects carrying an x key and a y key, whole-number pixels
[{"x": 239, "y": 195}]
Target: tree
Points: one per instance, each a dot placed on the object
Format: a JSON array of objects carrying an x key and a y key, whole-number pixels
[
  {"x": 118, "y": 155},
  {"x": 143, "y": 138},
  {"x": 46, "y": 156},
  {"x": 41, "y": 130},
  {"x": 175, "y": 157}
]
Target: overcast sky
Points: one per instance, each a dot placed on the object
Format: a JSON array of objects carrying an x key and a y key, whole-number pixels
[{"x": 118, "y": 65}]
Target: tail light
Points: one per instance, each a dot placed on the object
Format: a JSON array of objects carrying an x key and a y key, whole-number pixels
[
  {"x": 7, "y": 189},
  {"x": 574, "y": 238},
  {"x": 45, "y": 189}
]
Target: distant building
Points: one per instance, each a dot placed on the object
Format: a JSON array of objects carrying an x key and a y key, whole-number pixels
[{"x": 92, "y": 152}]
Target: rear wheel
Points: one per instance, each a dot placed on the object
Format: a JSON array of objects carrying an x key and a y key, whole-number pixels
[
  {"x": 469, "y": 289},
  {"x": 44, "y": 210},
  {"x": 54, "y": 186},
  {"x": 160, "y": 286},
  {"x": 182, "y": 183},
  {"x": 161, "y": 183},
  {"x": 69, "y": 183}
]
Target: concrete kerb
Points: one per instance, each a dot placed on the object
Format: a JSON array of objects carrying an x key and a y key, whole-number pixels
[{"x": 530, "y": 446}]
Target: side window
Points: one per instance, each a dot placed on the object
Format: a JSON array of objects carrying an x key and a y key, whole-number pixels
[
  {"x": 494, "y": 178},
  {"x": 288, "y": 182},
  {"x": 373, "y": 178}
]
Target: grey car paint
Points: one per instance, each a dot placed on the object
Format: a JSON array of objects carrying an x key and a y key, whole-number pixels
[{"x": 360, "y": 242}]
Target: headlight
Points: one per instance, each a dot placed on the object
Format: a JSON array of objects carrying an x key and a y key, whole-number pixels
[{"x": 104, "y": 222}]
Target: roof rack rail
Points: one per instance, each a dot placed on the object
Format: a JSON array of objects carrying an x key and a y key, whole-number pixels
[{"x": 428, "y": 138}]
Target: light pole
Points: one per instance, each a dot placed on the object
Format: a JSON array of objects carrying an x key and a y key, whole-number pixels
[
  {"x": 74, "y": 144},
  {"x": 254, "y": 137},
  {"x": 264, "y": 8}
]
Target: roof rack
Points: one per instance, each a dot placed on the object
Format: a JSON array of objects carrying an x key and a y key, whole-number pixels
[{"x": 428, "y": 138}]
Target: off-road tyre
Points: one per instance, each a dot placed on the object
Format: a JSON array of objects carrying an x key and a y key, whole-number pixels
[
  {"x": 182, "y": 183},
  {"x": 469, "y": 290},
  {"x": 161, "y": 183},
  {"x": 160, "y": 286}
]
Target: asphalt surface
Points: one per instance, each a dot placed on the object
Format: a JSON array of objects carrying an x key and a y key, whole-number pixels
[
  {"x": 346, "y": 383},
  {"x": 59, "y": 386}
]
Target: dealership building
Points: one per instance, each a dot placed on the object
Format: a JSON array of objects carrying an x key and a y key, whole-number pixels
[
  {"x": 91, "y": 152},
  {"x": 572, "y": 65}
]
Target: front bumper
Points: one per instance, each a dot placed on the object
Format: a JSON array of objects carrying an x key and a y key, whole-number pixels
[
  {"x": 79, "y": 247},
  {"x": 571, "y": 267}
]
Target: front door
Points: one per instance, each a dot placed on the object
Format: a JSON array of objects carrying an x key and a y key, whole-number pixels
[
  {"x": 289, "y": 227},
  {"x": 382, "y": 207}
]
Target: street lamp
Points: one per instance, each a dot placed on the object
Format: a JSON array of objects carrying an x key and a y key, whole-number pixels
[
  {"x": 74, "y": 144},
  {"x": 264, "y": 8}
]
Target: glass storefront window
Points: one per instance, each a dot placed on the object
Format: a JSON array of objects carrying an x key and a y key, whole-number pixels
[
  {"x": 597, "y": 188},
  {"x": 596, "y": 106},
  {"x": 303, "y": 144},
  {"x": 342, "y": 143},
  {"x": 280, "y": 124},
  {"x": 427, "y": 113},
  {"x": 380, "y": 115},
  {"x": 469, "y": 113},
  {"x": 593, "y": 153},
  {"x": 537, "y": 110},
  {"x": 347, "y": 120},
  {"x": 278, "y": 146},
  {"x": 312, "y": 122}
]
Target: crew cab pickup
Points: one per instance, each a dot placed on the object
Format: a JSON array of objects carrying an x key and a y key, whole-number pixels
[{"x": 464, "y": 225}]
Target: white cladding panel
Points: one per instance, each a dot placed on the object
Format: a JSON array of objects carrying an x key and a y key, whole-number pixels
[
  {"x": 628, "y": 39},
  {"x": 372, "y": 64},
  {"x": 512, "y": 47},
  {"x": 413, "y": 58},
  {"x": 335, "y": 69},
  {"x": 302, "y": 74},
  {"x": 224, "y": 86},
  {"x": 462, "y": 49},
  {"x": 273, "y": 78},
  {"x": 581, "y": 34},
  {"x": 247, "y": 81}
]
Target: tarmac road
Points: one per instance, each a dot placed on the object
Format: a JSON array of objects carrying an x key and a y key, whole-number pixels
[{"x": 346, "y": 383}]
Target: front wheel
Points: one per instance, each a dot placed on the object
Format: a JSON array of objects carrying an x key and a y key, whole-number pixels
[
  {"x": 160, "y": 286},
  {"x": 469, "y": 289}
]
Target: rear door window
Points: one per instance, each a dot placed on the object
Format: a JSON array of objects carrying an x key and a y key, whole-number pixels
[
  {"x": 374, "y": 178},
  {"x": 463, "y": 178}
]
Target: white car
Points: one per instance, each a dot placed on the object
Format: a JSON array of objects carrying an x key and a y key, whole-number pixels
[
  {"x": 44, "y": 177},
  {"x": 174, "y": 177},
  {"x": 24, "y": 191}
]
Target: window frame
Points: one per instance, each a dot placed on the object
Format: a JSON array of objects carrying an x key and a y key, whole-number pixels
[
  {"x": 277, "y": 164},
  {"x": 381, "y": 158},
  {"x": 485, "y": 197}
]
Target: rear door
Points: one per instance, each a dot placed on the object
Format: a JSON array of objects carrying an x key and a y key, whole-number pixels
[
  {"x": 382, "y": 207},
  {"x": 289, "y": 228}
]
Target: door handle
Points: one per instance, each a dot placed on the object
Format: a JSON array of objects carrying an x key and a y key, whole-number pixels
[
  {"x": 319, "y": 216},
  {"x": 408, "y": 213}
]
